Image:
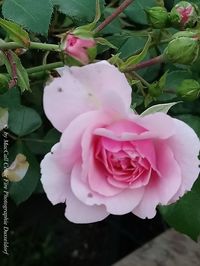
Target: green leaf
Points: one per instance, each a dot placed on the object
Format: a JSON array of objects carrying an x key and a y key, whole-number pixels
[
  {"x": 10, "y": 99},
  {"x": 164, "y": 108},
  {"x": 15, "y": 32},
  {"x": 135, "y": 59},
  {"x": 184, "y": 215},
  {"x": 115, "y": 26},
  {"x": 90, "y": 27},
  {"x": 32, "y": 15},
  {"x": 81, "y": 11},
  {"x": 191, "y": 120},
  {"x": 42, "y": 145},
  {"x": 136, "y": 12},
  {"x": 21, "y": 191},
  {"x": 131, "y": 45},
  {"x": 23, "y": 120},
  {"x": 175, "y": 78}
]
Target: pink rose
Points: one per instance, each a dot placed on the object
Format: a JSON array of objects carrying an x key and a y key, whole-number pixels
[
  {"x": 77, "y": 47},
  {"x": 110, "y": 160}
]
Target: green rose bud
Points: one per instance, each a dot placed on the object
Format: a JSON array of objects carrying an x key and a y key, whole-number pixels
[
  {"x": 187, "y": 33},
  {"x": 4, "y": 83},
  {"x": 157, "y": 17},
  {"x": 189, "y": 90},
  {"x": 182, "y": 50},
  {"x": 183, "y": 15}
]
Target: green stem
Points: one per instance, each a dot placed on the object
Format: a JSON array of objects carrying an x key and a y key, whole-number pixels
[
  {"x": 144, "y": 82},
  {"x": 33, "y": 45},
  {"x": 45, "y": 67}
]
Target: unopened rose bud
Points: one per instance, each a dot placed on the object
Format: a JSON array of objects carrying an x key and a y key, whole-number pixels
[
  {"x": 80, "y": 48},
  {"x": 183, "y": 15},
  {"x": 189, "y": 90},
  {"x": 157, "y": 17},
  {"x": 182, "y": 50},
  {"x": 4, "y": 83}
]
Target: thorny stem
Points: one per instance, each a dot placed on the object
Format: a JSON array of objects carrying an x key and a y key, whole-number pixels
[
  {"x": 153, "y": 61},
  {"x": 13, "y": 81},
  {"x": 114, "y": 15}
]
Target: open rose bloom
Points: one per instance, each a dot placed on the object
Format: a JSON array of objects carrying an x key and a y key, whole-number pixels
[{"x": 110, "y": 160}]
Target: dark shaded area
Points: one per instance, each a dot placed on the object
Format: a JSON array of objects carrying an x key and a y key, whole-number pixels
[{"x": 40, "y": 235}]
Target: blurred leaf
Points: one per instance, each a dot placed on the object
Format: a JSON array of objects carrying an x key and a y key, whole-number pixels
[
  {"x": 23, "y": 189},
  {"x": 184, "y": 215},
  {"x": 81, "y": 11},
  {"x": 15, "y": 32},
  {"x": 164, "y": 108},
  {"x": 32, "y": 15},
  {"x": 136, "y": 12},
  {"x": 23, "y": 120}
]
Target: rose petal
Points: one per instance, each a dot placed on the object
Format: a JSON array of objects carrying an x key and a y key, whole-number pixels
[
  {"x": 78, "y": 212},
  {"x": 150, "y": 125},
  {"x": 160, "y": 190},
  {"x": 55, "y": 178},
  {"x": 82, "y": 89},
  {"x": 186, "y": 146},
  {"x": 120, "y": 204}
]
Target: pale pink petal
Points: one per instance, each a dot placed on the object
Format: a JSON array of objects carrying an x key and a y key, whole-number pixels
[
  {"x": 161, "y": 189},
  {"x": 79, "y": 54},
  {"x": 120, "y": 204},
  {"x": 55, "y": 178},
  {"x": 146, "y": 150},
  {"x": 82, "y": 89},
  {"x": 76, "y": 140},
  {"x": 86, "y": 43},
  {"x": 186, "y": 146},
  {"x": 78, "y": 212},
  {"x": 97, "y": 179},
  {"x": 103, "y": 77}
]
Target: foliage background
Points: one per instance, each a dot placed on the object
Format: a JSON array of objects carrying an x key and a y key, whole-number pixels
[{"x": 35, "y": 227}]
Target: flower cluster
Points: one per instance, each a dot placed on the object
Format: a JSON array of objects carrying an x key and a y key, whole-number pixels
[{"x": 109, "y": 159}]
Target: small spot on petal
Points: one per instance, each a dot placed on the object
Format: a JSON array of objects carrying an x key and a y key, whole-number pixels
[
  {"x": 90, "y": 195},
  {"x": 59, "y": 89}
]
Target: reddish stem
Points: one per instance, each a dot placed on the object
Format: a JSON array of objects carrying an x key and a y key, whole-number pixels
[
  {"x": 156, "y": 60},
  {"x": 114, "y": 15},
  {"x": 13, "y": 81}
]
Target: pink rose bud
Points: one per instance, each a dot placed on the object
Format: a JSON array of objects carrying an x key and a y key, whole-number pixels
[
  {"x": 184, "y": 14},
  {"x": 78, "y": 47}
]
